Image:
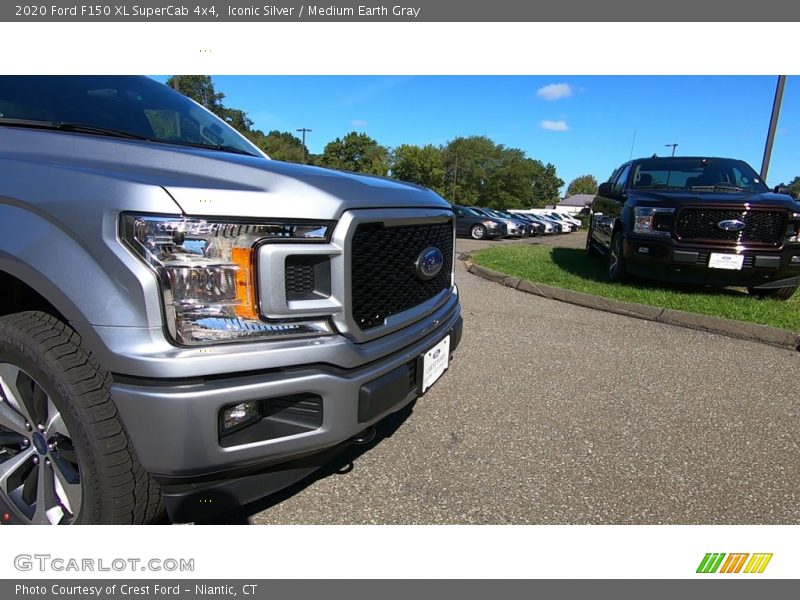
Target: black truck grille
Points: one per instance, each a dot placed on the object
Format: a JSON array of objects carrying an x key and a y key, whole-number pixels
[
  {"x": 299, "y": 278},
  {"x": 383, "y": 269},
  {"x": 760, "y": 226}
]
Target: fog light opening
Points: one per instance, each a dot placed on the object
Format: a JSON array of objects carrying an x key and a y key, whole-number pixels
[
  {"x": 238, "y": 415},
  {"x": 795, "y": 260}
]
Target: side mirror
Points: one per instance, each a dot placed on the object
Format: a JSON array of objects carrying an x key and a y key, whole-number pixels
[
  {"x": 783, "y": 189},
  {"x": 606, "y": 189}
]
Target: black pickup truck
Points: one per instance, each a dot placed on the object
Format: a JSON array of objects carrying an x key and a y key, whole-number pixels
[{"x": 709, "y": 221}]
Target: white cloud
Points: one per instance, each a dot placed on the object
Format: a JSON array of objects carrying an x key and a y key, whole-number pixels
[
  {"x": 555, "y": 91},
  {"x": 358, "y": 123},
  {"x": 554, "y": 125}
]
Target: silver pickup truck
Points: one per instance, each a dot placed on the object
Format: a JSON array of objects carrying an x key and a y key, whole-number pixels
[{"x": 186, "y": 324}]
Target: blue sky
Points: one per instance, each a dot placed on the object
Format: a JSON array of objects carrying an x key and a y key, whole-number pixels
[{"x": 580, "y": 124}]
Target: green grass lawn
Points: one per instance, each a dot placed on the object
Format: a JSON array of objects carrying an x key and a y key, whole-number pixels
[{"x": 571, "y": 269}]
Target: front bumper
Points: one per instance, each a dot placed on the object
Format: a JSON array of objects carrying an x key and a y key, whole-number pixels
[
  {"x": 663, "y": 259},
  {"x": 174, "y": 424},
  {"x": 495, "y": 233}
]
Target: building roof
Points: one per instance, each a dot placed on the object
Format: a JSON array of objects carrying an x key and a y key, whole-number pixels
[{"x": 577, "y": 200}]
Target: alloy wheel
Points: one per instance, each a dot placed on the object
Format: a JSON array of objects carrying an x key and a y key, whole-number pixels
[{"x": 39, "y": 471}]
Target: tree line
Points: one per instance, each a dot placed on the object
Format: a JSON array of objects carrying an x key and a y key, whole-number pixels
[{"x": 471, "y": 170}]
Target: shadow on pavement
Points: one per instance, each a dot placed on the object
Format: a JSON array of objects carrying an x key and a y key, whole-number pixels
[{"x": 340, "y": 465}]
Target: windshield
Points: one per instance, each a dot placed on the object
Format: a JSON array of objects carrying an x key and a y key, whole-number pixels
[
  {"x": 701, "y": 174},
  {"x": 471, "y": 212},
  {"x": 135, "y": 107}
]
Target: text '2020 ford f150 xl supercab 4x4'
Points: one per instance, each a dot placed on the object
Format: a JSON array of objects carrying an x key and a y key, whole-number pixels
[{"x": 186, "y": 323}]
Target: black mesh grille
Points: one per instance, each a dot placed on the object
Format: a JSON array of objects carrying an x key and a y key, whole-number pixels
[
  {"x": 761, "y": 226},
  {"x": 299, "y": 278},
  {"x": 384, "y": 278}
]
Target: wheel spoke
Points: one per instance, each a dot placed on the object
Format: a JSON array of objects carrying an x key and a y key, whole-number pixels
[
  {"x": 48, "y": 509},
  {"x": 55, "y": 424},
  {"x": 11, "y": 419},
  {"x": 11, "y": 466},
  {"x": 67, "y": 485},
  {"x": 9, "y": 378}
]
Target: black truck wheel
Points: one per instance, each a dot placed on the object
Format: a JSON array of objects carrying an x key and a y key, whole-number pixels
[{"x": 616, "y": 259}]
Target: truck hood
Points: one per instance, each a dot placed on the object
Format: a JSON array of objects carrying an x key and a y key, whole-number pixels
[
  {"x": 679, "y": 198},
  {"x": 214, "y": 183}
]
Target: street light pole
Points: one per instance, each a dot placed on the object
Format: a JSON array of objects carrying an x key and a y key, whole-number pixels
[
  {"x": 455, "y": 181},
  {"x": 673, "y": 147},
  {"x": 773, "y": 124},
  {"x": 304, "y": 130}
]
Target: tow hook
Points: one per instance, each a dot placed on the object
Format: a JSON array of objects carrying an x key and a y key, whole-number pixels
[{"x": 365, "y": 437}]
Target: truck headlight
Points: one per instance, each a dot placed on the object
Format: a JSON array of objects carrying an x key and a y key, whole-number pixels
[
  {"x": 207, "y": 274},
  {"x": 793, "y": 230},
  {"x": 645, "y": 220}
]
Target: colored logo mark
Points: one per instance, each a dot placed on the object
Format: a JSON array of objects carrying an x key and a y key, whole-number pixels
[{"x": 734, "y": 563}]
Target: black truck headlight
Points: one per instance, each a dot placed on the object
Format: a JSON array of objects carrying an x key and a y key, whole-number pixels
[
  {"x": 651, "y": 220},
  {"x": 208, "y": 275},
  {"x": 793, "y": 229}
]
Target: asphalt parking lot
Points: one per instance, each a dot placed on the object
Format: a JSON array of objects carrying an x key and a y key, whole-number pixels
[{"x": 553, "y": 413}]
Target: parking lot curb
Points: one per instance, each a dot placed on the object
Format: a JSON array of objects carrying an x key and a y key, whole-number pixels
[{"x": 773, "y": 336}]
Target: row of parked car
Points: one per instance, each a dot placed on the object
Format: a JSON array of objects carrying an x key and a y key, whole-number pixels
[{"x": 481, "y": 223}]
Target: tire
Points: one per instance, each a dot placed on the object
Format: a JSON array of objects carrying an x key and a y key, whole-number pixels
[
  {"x": 616, "y": 260},
  {"x": 477, "y": 232},
  {"x": 591, "y": 251},
  {"x": 783, "y": 293},
  {"x": 59, "y": 424}
]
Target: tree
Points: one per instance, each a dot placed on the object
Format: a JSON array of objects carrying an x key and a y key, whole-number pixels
[
  {"x": 356, "y": 152},
  {"x": 280, "y": 145},
  {"x": 483, "y": 173},
  {"x": 585, "y": 184},
  {"x": 546, "y": 184},
  {"x": 469, "y": 161},
  {"x": 509, "y": 183},
  {"x": 423, "y": 165},
  {"x": 237, "y": 119},
  {"x": 794, "y": 186},
  {"x": 201, "y": 89}
]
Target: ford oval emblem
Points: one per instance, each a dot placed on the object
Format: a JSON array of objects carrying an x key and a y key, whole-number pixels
[
  {"x": 731, "y": 225},
  {"x": 437, "y": 354},
  {"x": 429, "y": 263}
]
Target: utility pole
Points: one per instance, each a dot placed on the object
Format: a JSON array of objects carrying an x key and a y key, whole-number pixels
[
  {"x": 773, "y": 124},
  {"x": 455, "y": 180},
  {"x": 304, "y": 130},
  {"x": 673, "y": 147}
]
